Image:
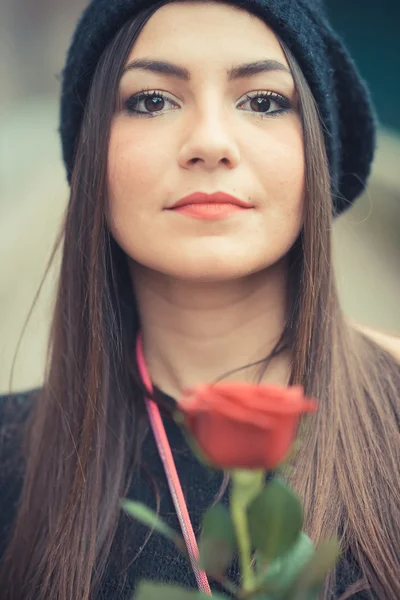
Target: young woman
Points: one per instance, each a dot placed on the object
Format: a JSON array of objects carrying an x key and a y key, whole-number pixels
[{"x": 255, "y": 110}]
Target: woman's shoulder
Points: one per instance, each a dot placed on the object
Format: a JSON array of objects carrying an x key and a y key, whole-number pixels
[
  {"x": 14, "y": 411},
  {"x": 386, "y": 340}
]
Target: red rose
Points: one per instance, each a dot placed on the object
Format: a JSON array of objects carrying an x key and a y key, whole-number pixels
[{"x": 243, "y": 425}]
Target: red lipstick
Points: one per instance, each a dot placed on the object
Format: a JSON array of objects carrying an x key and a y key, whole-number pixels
[{"x": 209, "y": 206}]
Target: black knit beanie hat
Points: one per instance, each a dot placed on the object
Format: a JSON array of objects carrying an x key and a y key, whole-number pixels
[{"x": 342, "y": 97}]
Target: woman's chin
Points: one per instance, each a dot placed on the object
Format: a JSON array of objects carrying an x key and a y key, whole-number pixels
[{"x": 224, "y": 269}]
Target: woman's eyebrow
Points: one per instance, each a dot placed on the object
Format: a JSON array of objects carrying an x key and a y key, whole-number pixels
[{"x": 238, "y": 72}]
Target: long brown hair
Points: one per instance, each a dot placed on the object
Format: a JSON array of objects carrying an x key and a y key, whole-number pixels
[{"x": 90, "y": 413}]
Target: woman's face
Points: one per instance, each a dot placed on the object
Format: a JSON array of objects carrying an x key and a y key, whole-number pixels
[{"x": 206, "y": 132}]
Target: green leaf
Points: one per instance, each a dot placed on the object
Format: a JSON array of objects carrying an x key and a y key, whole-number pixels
[
  {"x": 281, "y": 573},
  {"x": 148, "y": 517},
  {"x": 324, "y": 559},
  {"x": 315, "y": 570},
  {"x": 217, "y": 541},
  {"x": 147, "y": 590},
  {"x": 275, "y": 519}
]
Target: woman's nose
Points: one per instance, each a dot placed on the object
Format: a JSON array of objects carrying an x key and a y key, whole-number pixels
[{"x": 210, "y": 142}]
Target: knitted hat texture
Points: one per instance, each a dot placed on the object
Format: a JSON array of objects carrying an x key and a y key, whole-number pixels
[{"x": 343, "y": 99}]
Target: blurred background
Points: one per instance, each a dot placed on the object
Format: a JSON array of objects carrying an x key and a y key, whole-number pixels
[{"x": 34, "y": 36}]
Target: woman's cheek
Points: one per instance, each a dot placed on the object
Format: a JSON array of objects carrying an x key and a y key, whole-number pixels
[{"x": 278, "y": 159}]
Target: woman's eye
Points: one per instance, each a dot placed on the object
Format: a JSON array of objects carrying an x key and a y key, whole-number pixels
[
  {"x": 153, "y": 103},
  {"x": 266, "y": 103},
  {"x": 147, "y": 103}
]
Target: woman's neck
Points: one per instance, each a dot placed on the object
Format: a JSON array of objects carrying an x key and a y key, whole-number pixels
[{"x": 194, "y": 332}]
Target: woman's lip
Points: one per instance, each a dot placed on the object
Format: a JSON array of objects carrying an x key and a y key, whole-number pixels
[
  {"x": 209, "y": 211},
  {"x": 215, "y": 198}
]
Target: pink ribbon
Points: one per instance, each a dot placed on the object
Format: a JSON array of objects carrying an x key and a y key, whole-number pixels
[{"x": 174, "y": 484}]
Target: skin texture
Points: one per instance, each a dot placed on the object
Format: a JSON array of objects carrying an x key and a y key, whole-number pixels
[{"x": 211, "y": 294}]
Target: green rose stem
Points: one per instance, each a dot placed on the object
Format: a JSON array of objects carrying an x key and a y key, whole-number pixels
[
  {"x": 239, "y": 519},
  {"x": 245, "y": 487}
]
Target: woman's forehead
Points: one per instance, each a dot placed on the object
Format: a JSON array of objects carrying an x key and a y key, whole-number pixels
[{"x": 209, "y": 31}]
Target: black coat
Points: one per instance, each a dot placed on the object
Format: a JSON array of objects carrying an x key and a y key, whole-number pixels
[{"x": 159, "y": 558}]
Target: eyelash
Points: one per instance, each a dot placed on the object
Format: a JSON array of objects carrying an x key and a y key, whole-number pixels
[{"x": 133, "y": 101}]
